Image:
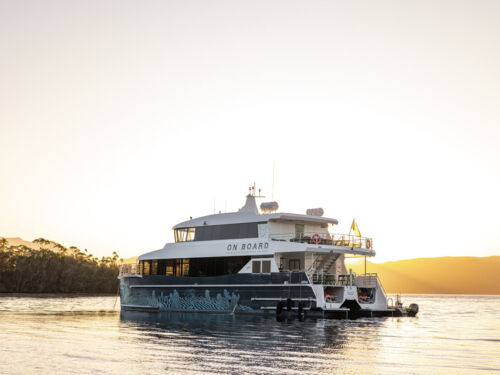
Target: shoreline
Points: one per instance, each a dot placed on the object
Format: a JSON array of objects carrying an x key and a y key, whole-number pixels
[
  {"x": 51, "y": 295},
  {"x": 80, "y": 294}
]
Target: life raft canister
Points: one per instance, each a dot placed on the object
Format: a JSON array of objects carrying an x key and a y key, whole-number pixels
[
  {"x": 316, "y": 238},
  {"x": 329, "y": 297}
]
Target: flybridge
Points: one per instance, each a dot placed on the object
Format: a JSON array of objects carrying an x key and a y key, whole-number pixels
[{"x": 241, "y": 224}]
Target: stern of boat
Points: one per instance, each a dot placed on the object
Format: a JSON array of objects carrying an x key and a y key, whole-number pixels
[{"x": 351, "y": 295}]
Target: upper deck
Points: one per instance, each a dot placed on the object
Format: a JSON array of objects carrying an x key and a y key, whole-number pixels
[{"x": 248, "y": 232}]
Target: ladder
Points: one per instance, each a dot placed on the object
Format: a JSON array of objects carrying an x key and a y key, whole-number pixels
[{"x": 327, "y": 261}]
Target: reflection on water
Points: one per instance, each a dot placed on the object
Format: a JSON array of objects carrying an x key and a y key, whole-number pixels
[{"x": 87, "y": 335}]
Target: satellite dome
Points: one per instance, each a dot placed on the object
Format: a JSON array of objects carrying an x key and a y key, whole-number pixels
[
  {"x": 267, "y": 207},
  {"x": 315, "y": 211}
]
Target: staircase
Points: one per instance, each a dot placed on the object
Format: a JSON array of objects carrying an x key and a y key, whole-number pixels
[
  {"x": 319, "y": 274},
  {"x": 327, "y": 261}
]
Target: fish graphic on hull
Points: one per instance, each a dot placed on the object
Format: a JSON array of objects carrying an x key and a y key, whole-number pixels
[{"x": 226, "y": 302}]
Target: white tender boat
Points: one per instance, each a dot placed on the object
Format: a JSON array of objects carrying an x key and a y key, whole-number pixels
[{"x": 257, "y": 263}]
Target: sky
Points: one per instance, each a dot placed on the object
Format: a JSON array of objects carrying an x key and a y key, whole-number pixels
[{"x": 119, "y": 119}]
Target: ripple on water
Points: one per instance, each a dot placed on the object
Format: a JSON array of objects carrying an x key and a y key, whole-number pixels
[{"x": 87, "y": 335}]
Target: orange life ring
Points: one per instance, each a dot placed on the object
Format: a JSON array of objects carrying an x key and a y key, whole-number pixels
[
  {"x": 316, "y": 238},
  {"x": 368, "y": 243}
]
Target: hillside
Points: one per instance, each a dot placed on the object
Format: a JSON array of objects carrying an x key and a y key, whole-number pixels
[{"x": 446, "y": 275}]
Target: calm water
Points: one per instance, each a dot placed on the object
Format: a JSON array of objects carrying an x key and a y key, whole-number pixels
[{"x": 87, "y": 335}]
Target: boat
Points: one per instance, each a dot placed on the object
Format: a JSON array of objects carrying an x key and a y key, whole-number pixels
[{"x": 258, "y": 262}]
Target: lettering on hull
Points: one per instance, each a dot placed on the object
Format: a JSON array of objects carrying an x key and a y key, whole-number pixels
[{"x": 248, "y": 246}]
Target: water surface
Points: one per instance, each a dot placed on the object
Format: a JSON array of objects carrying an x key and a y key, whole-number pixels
[{"x": 88, "y": 335}]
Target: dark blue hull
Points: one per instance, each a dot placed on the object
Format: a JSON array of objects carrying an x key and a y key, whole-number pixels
[{"x": 236, "y": 293}]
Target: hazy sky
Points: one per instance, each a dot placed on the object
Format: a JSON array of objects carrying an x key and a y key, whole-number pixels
[{"x": 119, "y": 119}]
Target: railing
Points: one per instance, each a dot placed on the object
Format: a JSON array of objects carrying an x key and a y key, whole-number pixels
[
  {"x": 367, "y": 280},
  {"x": 347, "y": 240},
  {"x": 345, "y": 280},
  {"x": 323, "y": 278},
  {"x": 129, "y": 269}
]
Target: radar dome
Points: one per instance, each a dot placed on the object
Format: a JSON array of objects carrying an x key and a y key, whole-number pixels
[
  {"x": 315, "y": 212},
  {"x": 267, "y": 207}
]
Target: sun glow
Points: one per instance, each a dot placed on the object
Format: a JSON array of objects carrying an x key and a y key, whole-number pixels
[{"x": 115, "y": 131}]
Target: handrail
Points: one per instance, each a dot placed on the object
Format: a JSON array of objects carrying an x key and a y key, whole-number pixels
[
  {"x": 381, "y": 285},
  {"x": 367, "y": 280},
  {"x": 323, "y": 278},
  {"x": 312, "y": 266},
  {"x": 129, "y": 269},
  {"x": 347, "y": 240}
]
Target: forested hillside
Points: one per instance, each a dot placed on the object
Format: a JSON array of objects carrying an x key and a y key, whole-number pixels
[{"x": 49, "y": 267}]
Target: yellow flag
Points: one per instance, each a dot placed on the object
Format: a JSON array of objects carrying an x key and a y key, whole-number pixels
[{"x": 354, "y": 229}]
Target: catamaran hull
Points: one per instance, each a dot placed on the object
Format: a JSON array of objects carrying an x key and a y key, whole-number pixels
[{"x": 280, "y": 294}]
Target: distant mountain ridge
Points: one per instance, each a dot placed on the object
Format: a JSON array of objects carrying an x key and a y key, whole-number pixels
[
  {"x": 444, "y": 275},
  {"x": 18, "y": 241}
]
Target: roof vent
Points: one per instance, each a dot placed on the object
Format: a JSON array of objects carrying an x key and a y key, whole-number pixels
[
  {"x": 268, "y": 207},
  {"x": 315, "y": 212}
]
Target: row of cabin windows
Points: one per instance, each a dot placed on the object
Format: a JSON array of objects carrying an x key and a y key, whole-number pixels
[
  {"x": 217, "y": 232},
  {"x": 261, "y": 266},
  {"x": 194, "y": 267}
]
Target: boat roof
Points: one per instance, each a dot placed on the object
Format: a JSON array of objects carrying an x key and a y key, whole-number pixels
[
  {"x": 237, "y": 218},
  {"x": 249, "y": 213}
]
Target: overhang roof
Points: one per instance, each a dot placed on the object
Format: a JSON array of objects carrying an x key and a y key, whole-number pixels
[
  {"x": 249, "y": 217},
  {"x": 249, "y": 213}
]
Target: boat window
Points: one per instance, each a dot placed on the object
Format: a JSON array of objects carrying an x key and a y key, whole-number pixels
[
  {"x": 234, "y": 264},
  {"x": 299, "y": 230},
  {"x": 147, "y": 267},
  {"x": 185, "y": 267},
  {"x": 227, "y": 231},
  {"x": 169, "y": 269},
  {"x": 266, "y": 266},
  {"x": 162, "y": 265},
  {"x": 184, "y": 234},
  {"x": 294, "y": 264},
  {"x": 217, "y": 232},
  {"x": 256, "y": 266},
  {"x": 178, "y": 267},
  {"x": 195, "y": 267}
]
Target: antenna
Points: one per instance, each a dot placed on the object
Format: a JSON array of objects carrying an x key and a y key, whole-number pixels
[{"x": 252, "y": 191}]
